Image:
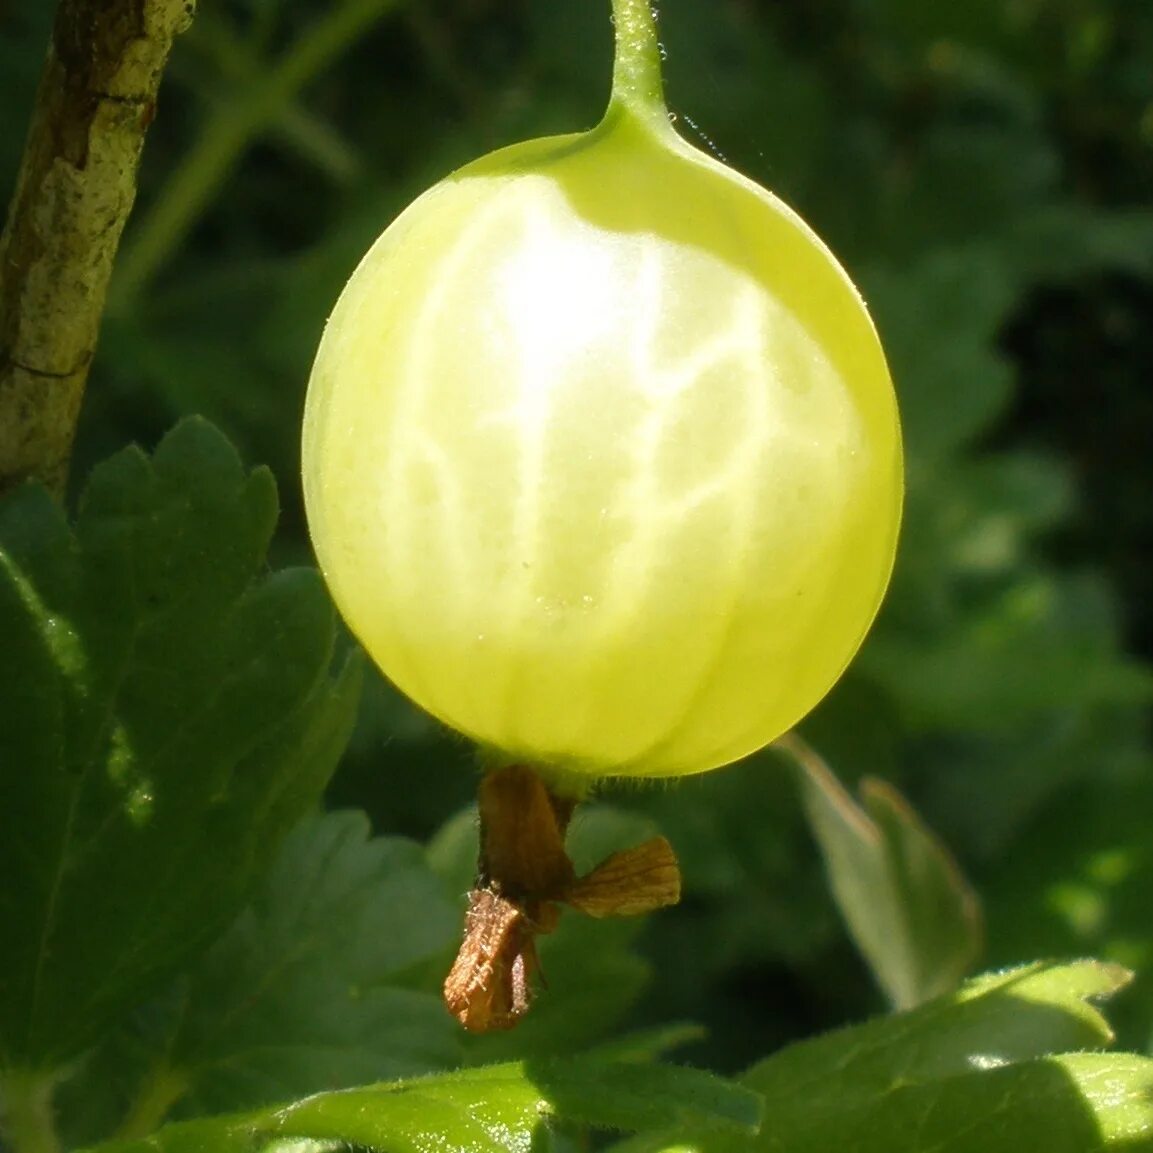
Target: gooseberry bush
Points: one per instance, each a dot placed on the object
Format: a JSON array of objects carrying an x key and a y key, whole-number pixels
[{"x": 213, "y": 938}]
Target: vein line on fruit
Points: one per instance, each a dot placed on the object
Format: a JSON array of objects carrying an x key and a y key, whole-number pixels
[
  {"x": 735, "y": 343},
  {"x": 656, "y": 519},
  {"x": 410, "y": 408},
  {"x": 532, "y": 413}
]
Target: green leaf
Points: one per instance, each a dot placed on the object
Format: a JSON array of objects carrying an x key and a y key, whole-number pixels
[
  {"x": 907, "y": 906},
  {"x": 1082, "y": 882},
  {"x": 319, "y": 984},
  {"x": 993, "y": 1020},
  {"x": 972, "y": 1073},
  {"x": 939, "y": 320},
  {"x": 485, "y": 1110},
  {"x": 169, "y": 716},
  {"x": 1041, "y": 647},
  {"x": 306, "y": 991},
  {"x": 309, "y": 989},
  {"x": 1076, "y": 1103},
  {"x": 650, "y": 1044},
  {"x": 1064, "y": 241}
]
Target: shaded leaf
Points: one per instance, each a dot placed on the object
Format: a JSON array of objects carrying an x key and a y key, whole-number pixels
[
  {"x": 950, "y": 389},
  {"x": 306, "y": 991},
  {"x": 1059, "y": 242},
  {"x": 169, "y": 715},
  {"x": 1041, "y": 646},
  {"x": 907, "y": 906}
]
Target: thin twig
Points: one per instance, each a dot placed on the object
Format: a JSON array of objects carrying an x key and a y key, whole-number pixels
[
  {"x": 230, "y": 130},
  {"x": 77, "y": 181}
]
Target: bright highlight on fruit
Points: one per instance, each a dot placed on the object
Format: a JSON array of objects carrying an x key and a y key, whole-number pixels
[{"x": 601, "y": 455}]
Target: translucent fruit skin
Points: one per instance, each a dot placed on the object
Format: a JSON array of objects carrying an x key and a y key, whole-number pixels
[{"x": 601, "y": 456}]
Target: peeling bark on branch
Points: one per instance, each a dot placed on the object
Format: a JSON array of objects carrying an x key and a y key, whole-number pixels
[{"x": 77, "y": 182}]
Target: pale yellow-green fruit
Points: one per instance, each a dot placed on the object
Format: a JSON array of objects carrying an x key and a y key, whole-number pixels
[{"x": 601, "y": 456}]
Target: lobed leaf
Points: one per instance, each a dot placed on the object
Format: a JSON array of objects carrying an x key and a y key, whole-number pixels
[
  {"x": 170, "y": 714},
  {"x": 305, "y": 991}
]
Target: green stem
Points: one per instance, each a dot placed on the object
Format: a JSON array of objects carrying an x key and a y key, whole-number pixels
[
  {"x": 637, "y": 83},
  {"x": 229, "y": 131},
  {"x": 160, "y": 1090},
  {"x": 26, "y": 1118},
  {"x": 235, "y": 60}
]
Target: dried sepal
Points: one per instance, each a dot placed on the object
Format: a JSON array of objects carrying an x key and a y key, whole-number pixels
[
  {"x": 489, "y": 985},
  {"x": 629, "y": 883},
  {"x": 523, "y": 875}
]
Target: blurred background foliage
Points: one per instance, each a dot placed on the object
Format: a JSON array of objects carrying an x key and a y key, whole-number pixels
[{"x": 985, "y": 170}]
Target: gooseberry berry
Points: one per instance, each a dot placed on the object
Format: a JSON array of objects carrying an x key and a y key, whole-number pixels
[{"x": 601, "y": 456}]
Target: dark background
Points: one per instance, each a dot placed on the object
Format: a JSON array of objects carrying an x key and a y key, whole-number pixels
[{"x": 985, "y": 171}]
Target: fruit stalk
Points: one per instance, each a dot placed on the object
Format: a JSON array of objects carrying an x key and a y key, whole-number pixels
[{"x": 637, "y": 82}]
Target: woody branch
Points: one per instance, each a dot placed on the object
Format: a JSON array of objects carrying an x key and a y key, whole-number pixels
[{"x": 73, "y": 195}]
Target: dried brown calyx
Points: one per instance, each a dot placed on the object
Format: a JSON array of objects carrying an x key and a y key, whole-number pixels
[{"x": 523, "y": 876}]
